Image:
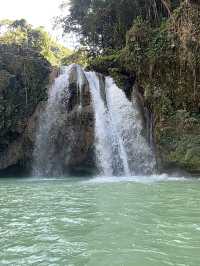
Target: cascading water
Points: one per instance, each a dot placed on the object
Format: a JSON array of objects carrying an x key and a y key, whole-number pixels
[
  {"x": 103, "y": 146},
  {"x": 119, "y": 145},
  {"x": 80, "y": 84},
  {"x": 46, "y": 162},
  {"x": 126, "y": 120}
]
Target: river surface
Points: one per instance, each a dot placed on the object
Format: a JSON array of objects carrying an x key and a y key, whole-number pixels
[{"x": 144, "y": 221}]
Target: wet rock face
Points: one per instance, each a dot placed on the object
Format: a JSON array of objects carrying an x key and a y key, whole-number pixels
[
  {"x": 79, "y": 124},
  {"x": 74, "y": 141},
  {"x": 79, "y": 94},
  {"x": 75, "y": 138}
]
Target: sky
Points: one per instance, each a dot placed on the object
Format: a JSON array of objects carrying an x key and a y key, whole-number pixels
[{"x": 36, "y": 12}]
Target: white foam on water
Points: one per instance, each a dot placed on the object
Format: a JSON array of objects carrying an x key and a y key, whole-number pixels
[{"x": 136, "y": 179}]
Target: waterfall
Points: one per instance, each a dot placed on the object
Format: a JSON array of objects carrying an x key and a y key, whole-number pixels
[
  {"x": 44, "y": 152},
  {"x": 47, "y": 152},
  {"x": 120, "y": 148},
  {"x": 115, "y": 126},
  {"x": 80, "y": 84},
  {"x": 103, "y": 147},
  {"x": 125, "y": 116}
]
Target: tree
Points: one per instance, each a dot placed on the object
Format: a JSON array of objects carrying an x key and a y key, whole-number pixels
[
  {"x": 102, "y": 24},
  {"x": 20, "y": 33}
]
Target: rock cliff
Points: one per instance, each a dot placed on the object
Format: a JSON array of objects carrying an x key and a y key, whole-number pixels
[{"x": 24, "y": 78}]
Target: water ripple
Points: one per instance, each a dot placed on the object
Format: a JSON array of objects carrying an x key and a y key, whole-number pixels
[{"x": 99, "y": 223}]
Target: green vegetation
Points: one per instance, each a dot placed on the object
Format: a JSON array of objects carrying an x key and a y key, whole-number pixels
[
  {"x": 79, "y": 56},
  {"x": 102, "y": 24},
  {"x": 21, "y": 33}
]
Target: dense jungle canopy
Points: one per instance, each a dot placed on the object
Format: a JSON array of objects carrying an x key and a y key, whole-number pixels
[{"x": 103, "y": 24}]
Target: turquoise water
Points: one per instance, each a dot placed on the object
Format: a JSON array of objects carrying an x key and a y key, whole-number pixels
[{"x": 100, "y": 222}]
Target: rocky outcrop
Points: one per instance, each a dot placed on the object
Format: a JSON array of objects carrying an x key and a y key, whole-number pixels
[
  {"x": 24, "y": 78},
  {"x": 78, "y": 129},
  {"x": 75, "y": 140}
]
